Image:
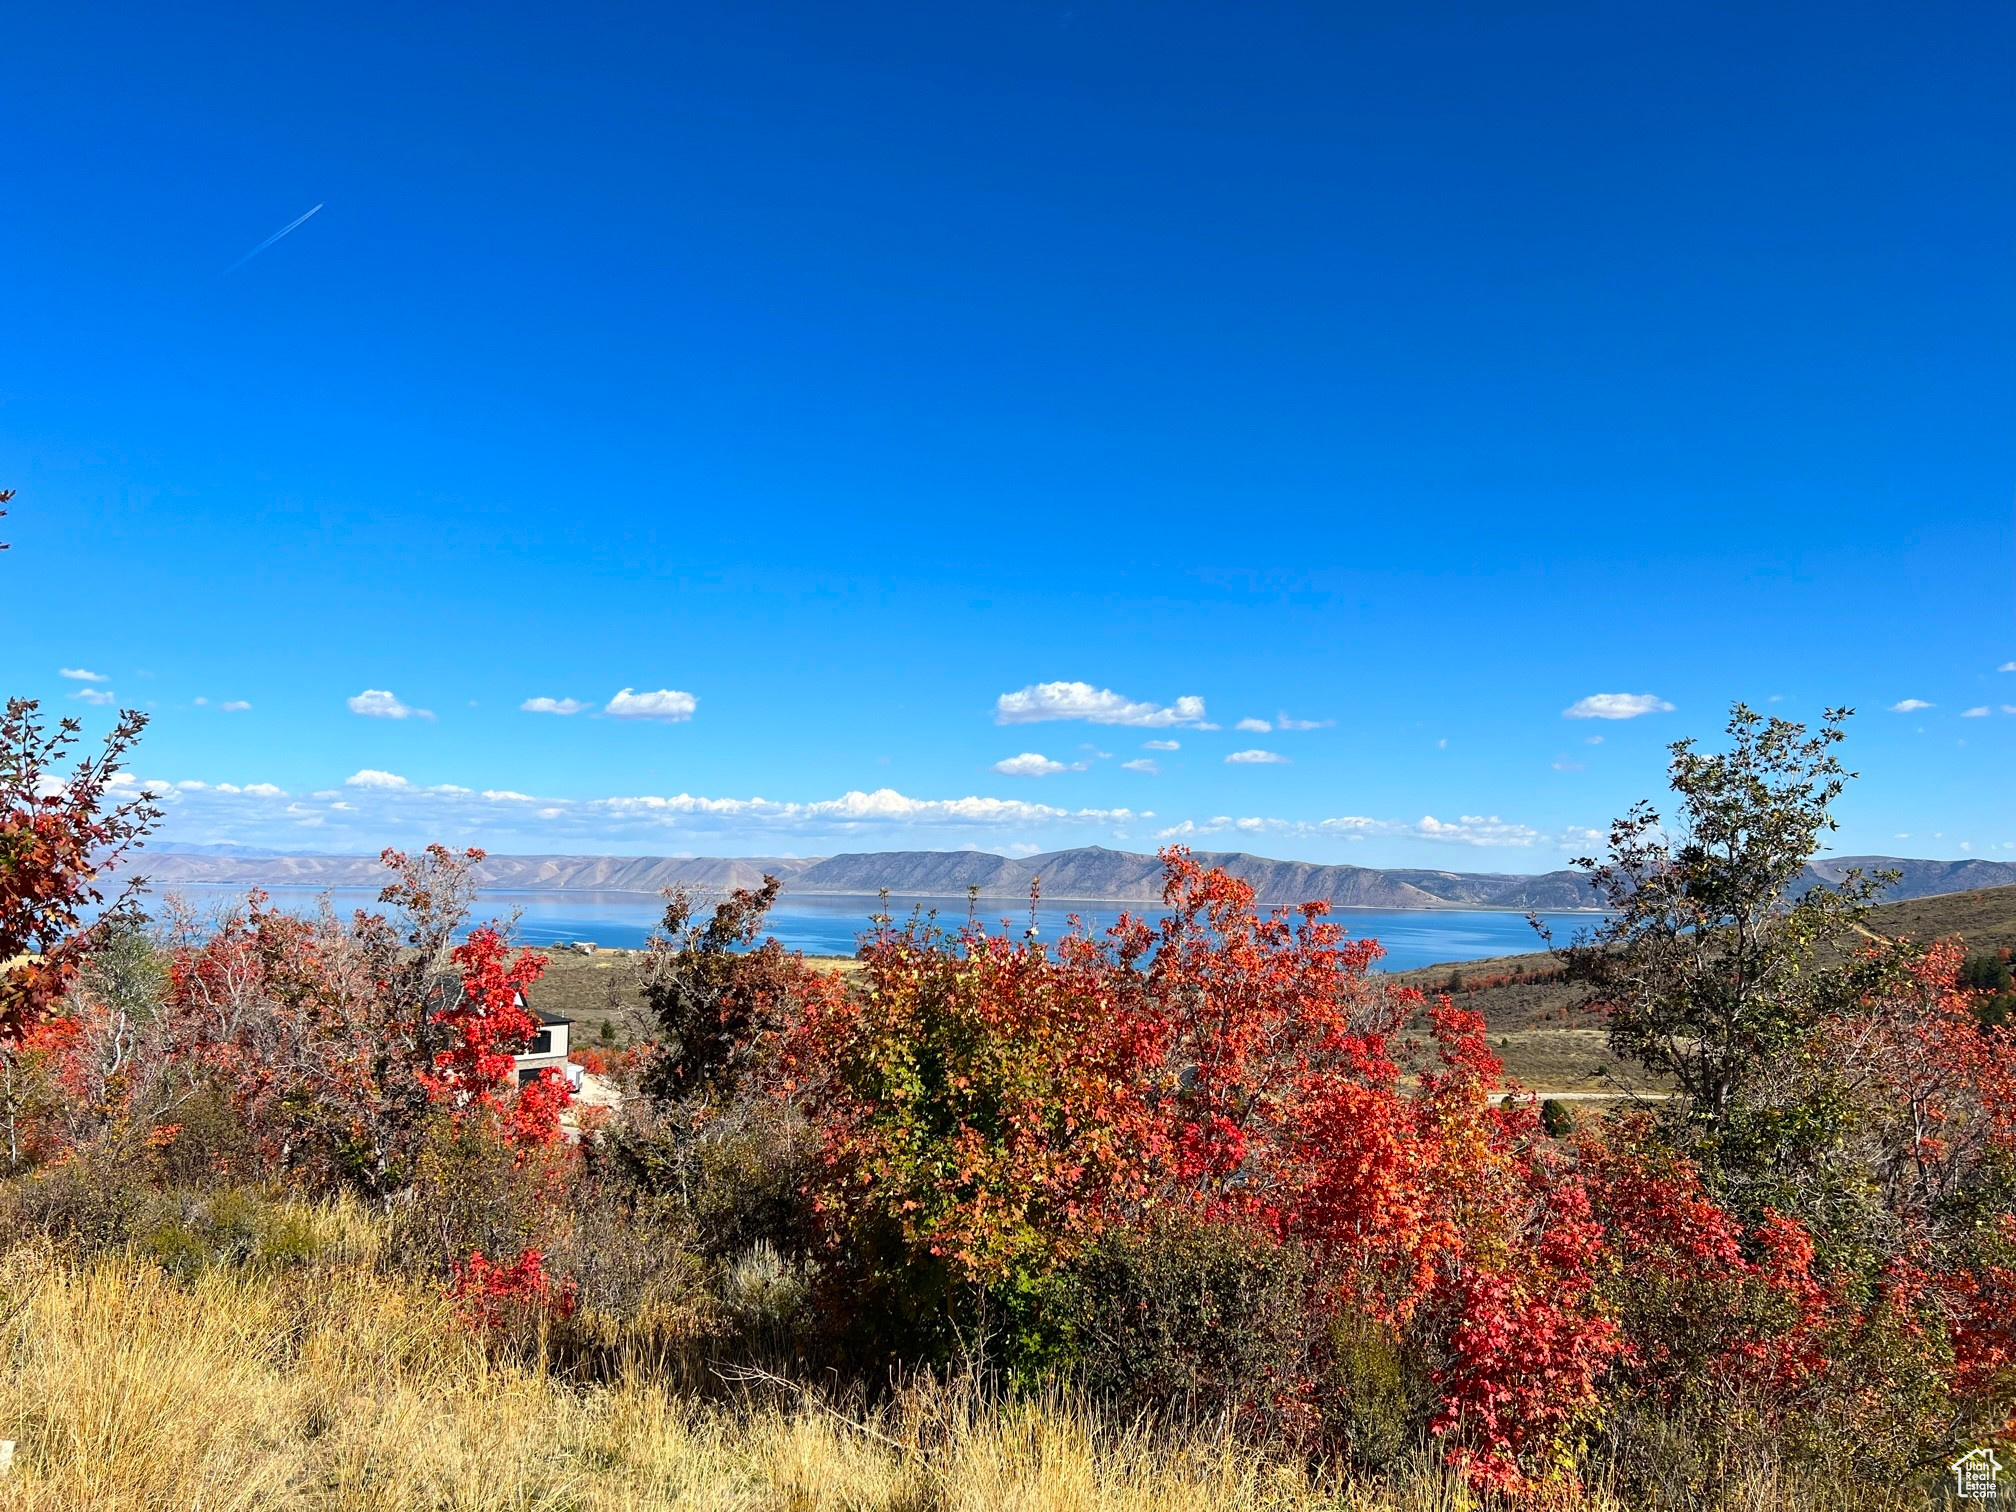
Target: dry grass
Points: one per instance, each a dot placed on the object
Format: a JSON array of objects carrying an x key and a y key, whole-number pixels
[
  {"x": 341, "y": 1387},
  {"x": 337, "y": 1385}
]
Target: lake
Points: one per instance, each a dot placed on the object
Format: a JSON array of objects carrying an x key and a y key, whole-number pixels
[{"x": 830, "y": 924}]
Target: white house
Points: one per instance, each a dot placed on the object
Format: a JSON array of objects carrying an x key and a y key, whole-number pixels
[{"x": 549, "y": 1048}]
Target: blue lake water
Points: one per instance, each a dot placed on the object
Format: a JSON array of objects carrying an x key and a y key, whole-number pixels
[{"x": 832, "y": 925}]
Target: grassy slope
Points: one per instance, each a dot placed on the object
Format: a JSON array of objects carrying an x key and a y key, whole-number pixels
[
  {"x": 594, "y": 990},
  {"x": 1546, "y": 1045},
  {"x": 317, "y": 1379},
  {"x": 340, "y": 1388}
]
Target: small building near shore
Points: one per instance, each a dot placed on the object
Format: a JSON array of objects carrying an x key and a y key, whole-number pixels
[{"x": 549, "y": 1048}]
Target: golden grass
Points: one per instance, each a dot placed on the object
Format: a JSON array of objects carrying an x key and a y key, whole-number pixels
[{"x": 339, "y": 1386}]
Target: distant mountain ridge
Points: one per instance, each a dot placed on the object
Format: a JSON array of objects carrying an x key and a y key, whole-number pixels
[{"x": 1087, "y": 874}]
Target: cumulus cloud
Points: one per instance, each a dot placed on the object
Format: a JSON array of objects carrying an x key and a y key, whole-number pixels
[
  {"x": 1482, "y": 830},
  {"x": 553, "y": 705},
  {"x": 1034, "y": 764},
  {"x": 2008, "y": 666},
  {"x": 97, "y": 697},
  {"x": 79, "y": 674},
  {"x": 1161, "y": 745},
  {"x": 1616, "y": 706},
  {"x": 1910, "y": 706},
  {"x": 1475, "y": 829},
  {"x": 1142, "y": 764},
  {"x": 1257, "y": 758},
  {"x": 374, "y": 808},
  {"x": 234, "y": 706},
  {"x": 1982, "y": 712},
  {"x": 1283, "y": 722},
  {"x": 666, "y": 704},
  {"x": 371, "y": 777},
  {"x": 1078, "y": 700},
  {"x": 1254, "y": 726},
  {"x": 380, "y": 703}
]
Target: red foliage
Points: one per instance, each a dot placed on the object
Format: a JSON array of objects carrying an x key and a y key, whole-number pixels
[
  {"x": 58, "y": 832},
  {"x": 495, "y": 1296},
  {"x": 996, "y": 1103},
  {"x": 535, "y": 1113}
]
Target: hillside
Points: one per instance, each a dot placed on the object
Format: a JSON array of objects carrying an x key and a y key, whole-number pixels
[
  {"x": 1546, "y": 1043},
  {"x": 168, "y": 867},
  {"x": 1087, "y": 874}
]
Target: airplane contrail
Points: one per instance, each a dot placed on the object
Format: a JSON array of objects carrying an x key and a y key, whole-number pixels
[{"x": 266, "y": 243}]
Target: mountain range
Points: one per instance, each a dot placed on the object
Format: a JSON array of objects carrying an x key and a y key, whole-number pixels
[{"x": 1088, "y": 874}]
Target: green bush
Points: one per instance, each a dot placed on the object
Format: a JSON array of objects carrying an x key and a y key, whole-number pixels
[{"x": 1187, "y": 1317}]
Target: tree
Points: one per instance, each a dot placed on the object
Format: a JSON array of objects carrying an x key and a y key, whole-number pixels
[
  {"x": 718, "y": 997},
  {"x": 337, "y": 1040},
  {"x": 1712, "y": 964},
  {"x": 59, "y": 833}
]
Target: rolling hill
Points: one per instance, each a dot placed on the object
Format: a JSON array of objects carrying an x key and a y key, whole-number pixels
[{"x": 1089, "y": 874}]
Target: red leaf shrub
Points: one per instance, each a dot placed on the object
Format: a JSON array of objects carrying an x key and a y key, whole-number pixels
[{"x": 508, "y": 1296}]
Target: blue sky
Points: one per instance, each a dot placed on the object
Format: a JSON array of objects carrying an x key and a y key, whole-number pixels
[{"x": 857, "y": 374}]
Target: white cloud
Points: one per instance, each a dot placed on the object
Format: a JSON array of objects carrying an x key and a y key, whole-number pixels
[
  {"x": 1033, "y": 764},
  {"x": 380, "y": 703},
  {"x": 1254, "y": 726},
  {"x": 1257, "y": 758},
  {"x": 374, "y": 808},
  {"x": 96, "y": 697},
  {"x": 2009, "y": 708},
  {"x": 1475, "y": 829},
  {"x": 1569, "y": 766},
  {"x": 1471, "y": 829},
  {"x": 552, "y": 706},
  {"x": 1911, "y": 706},
  {"x": 667, "y": 704},
  {"x": 371, "y": 777},
  {"x": 1283, "y": 722},
  {"x": 265, "y": 790},
  {"x": 1078, "y": 700},
  {"x": 1981, "y": 712},
  {"x": 1594, "y": 740},
  {"x": 1581, "y": 837},
  {"x": 234, "y": 706},
  {"x": 1616, "y": 706},
  {"x": 2008, "y": 666},
  {"x": 1161, "y": 745},
  {"x": 1142, "y": 764},
  {"x": 79, "y": 674}
]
